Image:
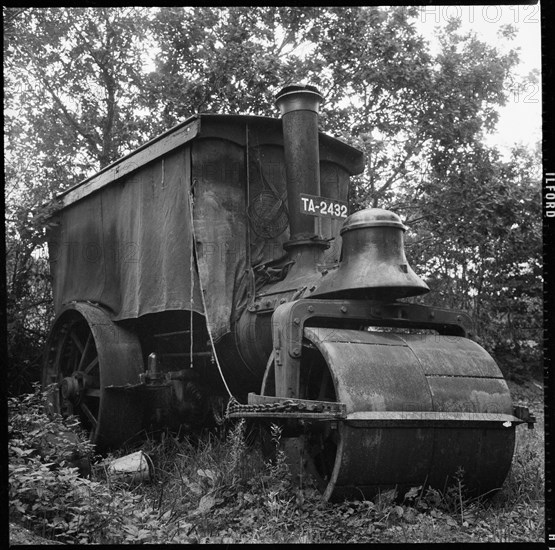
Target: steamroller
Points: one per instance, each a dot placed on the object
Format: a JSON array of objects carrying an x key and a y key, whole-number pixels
[
  {"x": 217, "y": 271},
  {"x": 372, "y": 392}
]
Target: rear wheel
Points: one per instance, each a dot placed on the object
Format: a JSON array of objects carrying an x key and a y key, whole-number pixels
[{"x": 86, "y": 354}]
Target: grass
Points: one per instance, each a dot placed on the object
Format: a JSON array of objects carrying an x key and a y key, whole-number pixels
[{"x": 223, "y": 490}]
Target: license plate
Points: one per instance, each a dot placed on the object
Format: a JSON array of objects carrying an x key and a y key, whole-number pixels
[{"x": 320, "y": 206}]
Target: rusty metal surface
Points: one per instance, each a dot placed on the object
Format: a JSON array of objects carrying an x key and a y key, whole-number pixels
[
  {"x": 373, "y": 260},
  {"x": 292, "y": 415},
  {"x": 299, "y": 108},
  {"x": 289, "y": 319},
  {"x": 406, "y": 427},
  {"x": 120, "y": 362},
  {"x": 372, "y": 217},
  {"x": 265, "y": 406},
  {"x": 372, "y": 376},
  {"x": 379, "y": 419},
  {"x": 442, "y": 356},
  {"x": 300, "y": 404},
  {"x": 401, "y": 458},
  {"x": 474, "y": 395}
]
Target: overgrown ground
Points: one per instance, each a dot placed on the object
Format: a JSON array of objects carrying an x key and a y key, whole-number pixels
[{"x": 221, "y": 490}]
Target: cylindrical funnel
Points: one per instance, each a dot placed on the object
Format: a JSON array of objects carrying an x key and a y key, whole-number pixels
[{"x": 299, "y": 111}]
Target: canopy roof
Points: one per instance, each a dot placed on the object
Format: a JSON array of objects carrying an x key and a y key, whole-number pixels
[{"x": 230, "y": 127}]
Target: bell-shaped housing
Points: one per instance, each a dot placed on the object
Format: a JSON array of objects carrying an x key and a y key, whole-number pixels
[{"x": 373, "y": 263}]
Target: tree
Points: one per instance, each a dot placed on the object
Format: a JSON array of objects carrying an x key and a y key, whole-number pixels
[
  {"x": 373, "y": 57},
  {"x": 78, "y": 95},
  {"x": 224, "y": 59},
  {"x": 476, "y": 237},
  {"x": 72, "y": 83},
  {"x": 80, "y": 73},
  {"x": 473, "y": 218}
]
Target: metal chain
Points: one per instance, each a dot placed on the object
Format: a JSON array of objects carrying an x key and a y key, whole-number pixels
[{"x": 288, "y": 405}]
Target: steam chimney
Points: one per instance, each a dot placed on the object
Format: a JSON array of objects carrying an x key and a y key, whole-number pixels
[{"x": 298, "y": 106}]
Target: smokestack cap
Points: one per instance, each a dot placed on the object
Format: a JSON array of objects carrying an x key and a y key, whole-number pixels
[
  {"x": 372, "y": 217},
  {"x": 298, "y": 98}
]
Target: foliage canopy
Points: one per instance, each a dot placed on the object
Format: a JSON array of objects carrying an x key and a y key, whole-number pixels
[{"x": 85, "y": 85}]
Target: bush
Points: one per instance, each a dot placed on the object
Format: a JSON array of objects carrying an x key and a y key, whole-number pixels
[
  {"x": 48, "y": 495},
  {"x": 196, "y": 483},
  {"x": 222, "y": 490}
]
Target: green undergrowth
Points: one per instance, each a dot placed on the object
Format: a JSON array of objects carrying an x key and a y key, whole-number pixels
[{"x": 220, "y": 488}]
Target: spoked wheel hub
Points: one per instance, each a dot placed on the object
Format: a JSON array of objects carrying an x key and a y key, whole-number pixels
[{"x": 70, "y": 389}]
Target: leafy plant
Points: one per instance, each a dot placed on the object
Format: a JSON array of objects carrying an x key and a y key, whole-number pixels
[
  {"x": 48, "y": 494},
  {"x": 222, "y": 490}
]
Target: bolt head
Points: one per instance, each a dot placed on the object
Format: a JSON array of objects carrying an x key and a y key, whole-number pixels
[{"x": 69, "y": 387}]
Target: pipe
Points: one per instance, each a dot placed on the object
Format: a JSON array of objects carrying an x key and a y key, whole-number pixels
[{"x": 298, "y": 106}]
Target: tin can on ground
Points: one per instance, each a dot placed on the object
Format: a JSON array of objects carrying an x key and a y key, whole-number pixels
[{"x": 135, "y": 467}]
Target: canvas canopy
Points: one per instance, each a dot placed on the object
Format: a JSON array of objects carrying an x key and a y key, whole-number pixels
[{"x": 200, "y": 209}]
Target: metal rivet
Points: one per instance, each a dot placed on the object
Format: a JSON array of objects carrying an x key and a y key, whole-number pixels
[
  {"x": 297, "y": 321},
  {"x": 310, "y": 309},
  {"x": 343, "y": 309}
]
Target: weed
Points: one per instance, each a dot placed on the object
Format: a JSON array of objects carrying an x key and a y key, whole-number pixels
[
  {"x": 222, "y": 490},
  {"x": 236, "y": 445},
  {"x": 48, "y": 495}
]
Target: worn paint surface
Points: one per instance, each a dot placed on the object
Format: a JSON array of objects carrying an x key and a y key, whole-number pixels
[{"x": 398, "y": 372}]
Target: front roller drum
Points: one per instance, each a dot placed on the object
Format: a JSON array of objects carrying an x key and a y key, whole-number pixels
[
  {"x": 87, "y": 353},
  {"x": 420, "y": 410}
]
